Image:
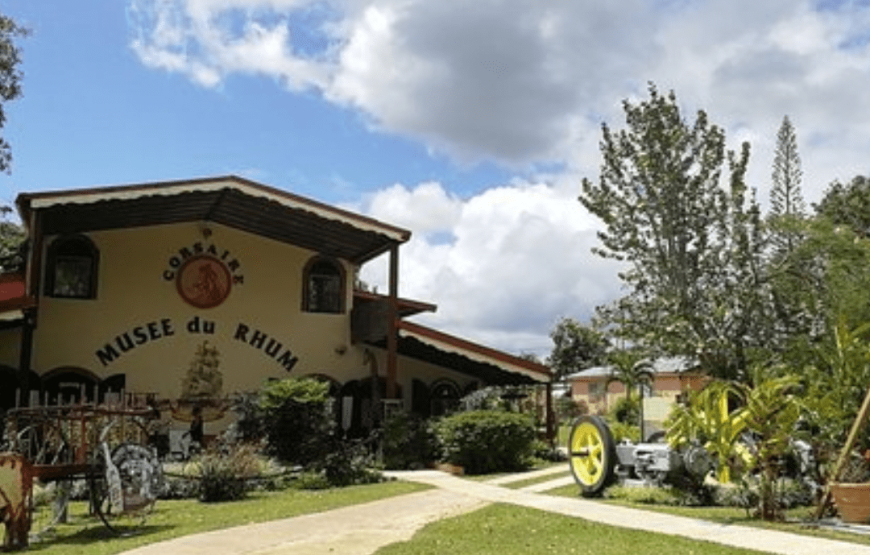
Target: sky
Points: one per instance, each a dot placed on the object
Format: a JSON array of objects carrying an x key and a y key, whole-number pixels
[{"x": 469, "y": 123}]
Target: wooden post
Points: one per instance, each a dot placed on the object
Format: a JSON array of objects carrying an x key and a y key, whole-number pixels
[
  {"x": 392, "y": 325},
  {"x": 551, "y": 415},
  {"x": 844, "y": 454}
]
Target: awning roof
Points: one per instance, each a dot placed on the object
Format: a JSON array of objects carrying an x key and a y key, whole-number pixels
[
  {"x": 229, "y": 200},
  {"x": 407, "y": 307},
  {"x": 13, "y": 299},
  {"x": 489, "y": 365}
]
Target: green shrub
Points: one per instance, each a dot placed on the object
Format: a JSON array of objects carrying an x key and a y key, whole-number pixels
[
  {"x": 567, "y": 408},
  {"x": 486, "y": 441},
  {"x": 544, "y": 451},
  {"x": 645, "y": 495},
  {"x": 312, "y": 481},
  {"x": 300, "y": 422},
  {"x": 626, "y": 411},
  {"x": 250, "y": 425},
  {"x": 223, "y": 475},
  {"x": 349, "y": 463},
  {"x": 624, "y": 432},
  {"x": 408, "y": 442}
]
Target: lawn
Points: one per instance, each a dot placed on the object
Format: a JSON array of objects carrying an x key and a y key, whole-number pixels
[
  {"x": 170, "y": 519},
  {"x": 798, "y": 521},
  {"x": 510, "y": 530}
]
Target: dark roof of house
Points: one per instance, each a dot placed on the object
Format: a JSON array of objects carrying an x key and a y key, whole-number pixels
[
  {"x": 13, "y": 298},
  {"x": 229, "y": 200},
  {"x": 407, "y": 307},
  {"x": 491, "y": 366}
]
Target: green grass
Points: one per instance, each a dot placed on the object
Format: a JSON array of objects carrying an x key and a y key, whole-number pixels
[
  {"x": 170, "y": 519},
  {"x": 562, "y": 435},
  {"x": 540, "y": 465},
  {"x": 507, "y": 530},
  {"x": 532, "y": 481},
  {"x": 798, "y": 520}
]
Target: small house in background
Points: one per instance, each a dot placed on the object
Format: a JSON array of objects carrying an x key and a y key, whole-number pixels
[{"x": 672, "y": 376}]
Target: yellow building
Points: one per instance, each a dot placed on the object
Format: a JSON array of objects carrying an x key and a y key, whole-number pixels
[{"x": 193, "y": 290}]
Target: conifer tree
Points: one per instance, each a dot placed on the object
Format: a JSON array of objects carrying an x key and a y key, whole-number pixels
[{"x": 787, "y": 205}]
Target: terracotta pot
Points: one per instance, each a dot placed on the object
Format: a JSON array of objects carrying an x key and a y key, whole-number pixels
[{"x": 853, "y": 501}]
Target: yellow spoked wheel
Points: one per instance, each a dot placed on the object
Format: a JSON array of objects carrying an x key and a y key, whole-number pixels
[{"x": 592, "y": 454}]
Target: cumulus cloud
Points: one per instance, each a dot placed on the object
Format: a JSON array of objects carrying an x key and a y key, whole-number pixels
[
  {"x": 523, "y": 82},
  {"x": 526, "y": 83},
  {"x": 517, "y": 258}
]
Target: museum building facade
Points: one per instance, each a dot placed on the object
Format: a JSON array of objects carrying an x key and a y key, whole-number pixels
[{"x": 190, "y": 291}]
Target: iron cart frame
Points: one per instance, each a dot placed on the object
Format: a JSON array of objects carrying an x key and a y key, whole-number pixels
[{"x": 105, "y": 445}]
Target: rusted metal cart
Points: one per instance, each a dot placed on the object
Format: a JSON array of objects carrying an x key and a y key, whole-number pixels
[{"x": 101, "y": 450}]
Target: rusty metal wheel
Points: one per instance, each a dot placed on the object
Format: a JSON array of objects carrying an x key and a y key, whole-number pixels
[{"x": 126, "y": 486}]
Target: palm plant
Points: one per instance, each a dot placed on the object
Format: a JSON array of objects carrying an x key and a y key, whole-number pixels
[{"x": 630, "y": 369}]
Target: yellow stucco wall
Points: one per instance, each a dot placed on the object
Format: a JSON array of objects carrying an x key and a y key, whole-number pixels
[
  {"x": 261, "y": 317},
  {"x": 10, "y": 347}
]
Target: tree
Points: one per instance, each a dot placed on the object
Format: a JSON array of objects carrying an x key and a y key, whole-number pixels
[
  {"x": 630, "y": 369},
  {"x": 10, "y": 77},
  {"x": 12, "y": 238},
  {"x": 786, "y": 202},
  {"x": 575, "y": 347},
  {"x": 848, "y": 205},
  {"x": 787, "y": 228},
  {"x": 693, "y": 247}
]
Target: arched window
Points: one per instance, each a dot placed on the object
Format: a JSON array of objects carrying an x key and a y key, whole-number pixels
[
  {"x": 72, "y": 268},
  {"x": 323, "y": 283},
  {"x": 443, "y": 396}
]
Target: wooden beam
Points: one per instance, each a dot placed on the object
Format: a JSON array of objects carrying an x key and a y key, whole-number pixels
[{"x": 393, "y": 320}]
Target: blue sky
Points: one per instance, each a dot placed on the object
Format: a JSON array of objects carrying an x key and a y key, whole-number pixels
[
  {"x": 93, "y": 114},
  {"x": 469, "y": 123}
]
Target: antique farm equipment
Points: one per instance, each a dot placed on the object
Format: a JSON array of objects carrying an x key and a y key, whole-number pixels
[
  {"x": 101, "y": 446},
  {"x": 596, "y": 460},
  {"x": 16, "y": 475}
]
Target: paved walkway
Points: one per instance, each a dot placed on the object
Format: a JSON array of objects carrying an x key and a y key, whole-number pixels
[{"x": 363, "y": 529}]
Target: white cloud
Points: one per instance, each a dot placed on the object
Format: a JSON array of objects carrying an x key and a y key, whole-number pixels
[
  {"x": 525, "y": 82},
  {"x": 517, "y": 259}
]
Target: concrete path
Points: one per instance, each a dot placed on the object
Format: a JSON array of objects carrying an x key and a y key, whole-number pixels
[
  {"x": 355, "y": 530},
  {"x": 363, "y": 529}
]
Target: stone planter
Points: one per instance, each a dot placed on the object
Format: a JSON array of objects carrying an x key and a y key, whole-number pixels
[
  {"x": 853, "y": 502},
  {"x": 456, "y": 470}
]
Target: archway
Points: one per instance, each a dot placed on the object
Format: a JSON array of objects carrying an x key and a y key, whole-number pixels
[{"x": 69, "y": 384}]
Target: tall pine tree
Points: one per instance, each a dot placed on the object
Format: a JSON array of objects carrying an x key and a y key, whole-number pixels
[{"x": 787, "y": 207}]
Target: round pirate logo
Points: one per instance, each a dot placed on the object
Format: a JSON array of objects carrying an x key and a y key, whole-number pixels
[{"x": 204, "y": 281}]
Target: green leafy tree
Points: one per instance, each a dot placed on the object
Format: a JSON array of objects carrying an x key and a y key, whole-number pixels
[
  {"x": 835, "y": 388},
  {"x": 632, "y": 370},
  {"x": 12, "y": 243},
  {"x": 576, "y": 347},
  {"x": 771, "y": 409},
  {"x": 677, "y": 211},
  {"x": 766, "y": 407},
  {"x": 848, "y": 205},
  {"x": 823, "y": 284},
  {"x": 10, "y": 77},
  {"x": 707, "y": 419}
]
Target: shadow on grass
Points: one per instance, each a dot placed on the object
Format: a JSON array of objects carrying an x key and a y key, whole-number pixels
[{"x": 96, "y": 533}]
